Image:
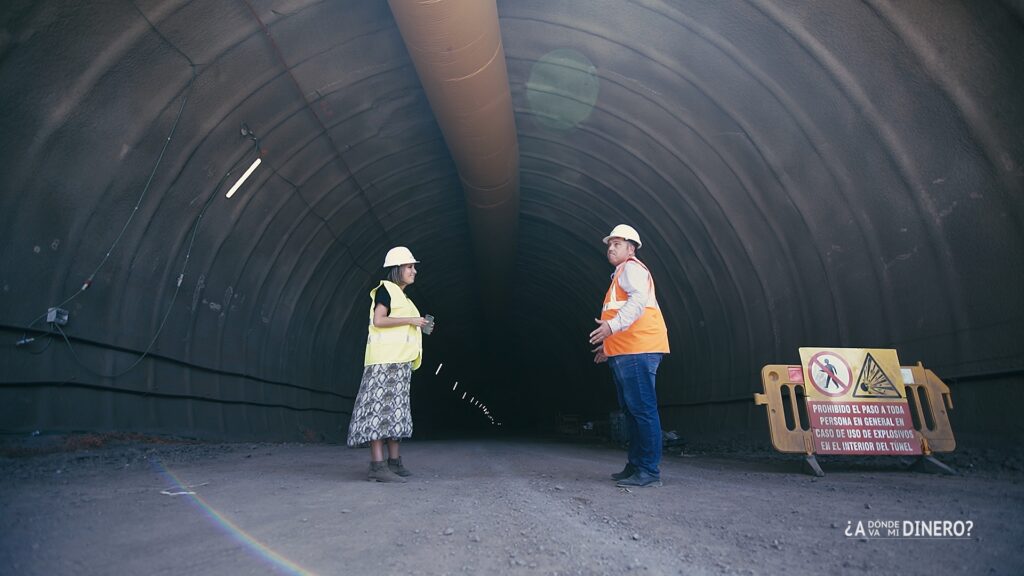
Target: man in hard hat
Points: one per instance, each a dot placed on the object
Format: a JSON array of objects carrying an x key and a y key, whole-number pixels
[{"x": 633, "y": 339}]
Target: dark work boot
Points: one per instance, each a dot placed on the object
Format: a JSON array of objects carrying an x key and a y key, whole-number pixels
[
  {"x": 640, "y": 479},
  {"x": 626, "y": 472},
  {"x": 395, "y": 464},
  {"x": 380, "y": 472}
]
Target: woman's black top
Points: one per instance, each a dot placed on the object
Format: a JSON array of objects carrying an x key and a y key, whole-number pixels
[{"x": 383, "y": 297}]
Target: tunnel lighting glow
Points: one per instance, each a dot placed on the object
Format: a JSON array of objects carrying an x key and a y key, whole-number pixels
[
  {"x": 241, "y": 180},
  {"x": 464, "y": 395},
  {"x": 472, "y": 399},
  {"x": 439, "y": 370},
  {"x": 456, "y": 385}
]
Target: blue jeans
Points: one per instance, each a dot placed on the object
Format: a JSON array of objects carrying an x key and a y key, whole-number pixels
[{"x": 634, "y": 382}]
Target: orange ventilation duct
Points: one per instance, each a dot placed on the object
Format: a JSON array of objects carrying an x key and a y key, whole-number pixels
[{"x": 456, "y": 48}]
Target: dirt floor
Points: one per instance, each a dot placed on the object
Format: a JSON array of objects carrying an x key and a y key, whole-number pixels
[{"x": 88, "y": 506}]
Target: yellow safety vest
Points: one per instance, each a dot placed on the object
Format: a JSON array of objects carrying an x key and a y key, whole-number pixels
[{"x": 399, "y": 343}]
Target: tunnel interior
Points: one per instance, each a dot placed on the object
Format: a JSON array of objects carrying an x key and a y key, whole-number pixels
[{"x": 801, "y": 174}]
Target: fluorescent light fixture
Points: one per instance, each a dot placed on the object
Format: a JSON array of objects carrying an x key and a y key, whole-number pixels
[
  {"x": 456, "y": 385},
  {"x": 439, "y": 370},
  {"x": 463, "y": 395},
  {"x": 241, "y": 180}
]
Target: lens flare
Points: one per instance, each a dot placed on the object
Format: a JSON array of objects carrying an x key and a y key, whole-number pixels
[{"x": 217, "y": 519}]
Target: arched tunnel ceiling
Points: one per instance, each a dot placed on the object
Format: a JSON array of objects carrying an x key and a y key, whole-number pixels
[{"x": 841, "y": 174}]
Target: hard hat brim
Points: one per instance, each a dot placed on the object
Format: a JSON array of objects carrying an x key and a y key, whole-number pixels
[{"x": 639, "y": 244}]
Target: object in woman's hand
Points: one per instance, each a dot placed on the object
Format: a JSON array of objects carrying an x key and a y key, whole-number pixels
[{"x": 429, "y": 326}]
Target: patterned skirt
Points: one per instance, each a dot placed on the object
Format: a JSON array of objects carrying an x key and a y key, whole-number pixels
[{"x": 381, "y": 409}]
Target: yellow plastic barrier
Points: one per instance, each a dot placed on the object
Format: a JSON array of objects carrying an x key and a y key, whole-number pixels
[
  {"x": 784, "y": 396},
  {"x": 929, "y": 400},
  {"x": 928, "y": 397}
]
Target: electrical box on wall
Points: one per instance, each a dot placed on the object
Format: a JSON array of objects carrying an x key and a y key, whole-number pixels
[{"x": 58, "y": 316}]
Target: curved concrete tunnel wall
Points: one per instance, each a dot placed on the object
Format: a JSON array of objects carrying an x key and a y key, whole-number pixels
[{"x": 847, "y": 175}]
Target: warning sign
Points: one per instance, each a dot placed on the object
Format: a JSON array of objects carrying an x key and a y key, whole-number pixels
[
  {"x": 866, "y": 415},
  {"x": 873, "y": 381}
]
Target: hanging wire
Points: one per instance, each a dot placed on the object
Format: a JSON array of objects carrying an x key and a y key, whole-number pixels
[
  {"x": 246, "y": 132},
  {"x": 178, "y": 282},
  {"x": 142, "y": 196}
]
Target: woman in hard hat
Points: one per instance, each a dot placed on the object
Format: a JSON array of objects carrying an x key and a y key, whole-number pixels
[{"x": 394, "y": 348}]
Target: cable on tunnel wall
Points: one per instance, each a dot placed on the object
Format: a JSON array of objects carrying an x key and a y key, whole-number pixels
[
  {"x": 175, "y": 361},
  {"x": 177, "y": 287},
  {"x": 164, "y": 395},
  {"x": 88, "y": 281},
  {"x": 195, "y": 228}
]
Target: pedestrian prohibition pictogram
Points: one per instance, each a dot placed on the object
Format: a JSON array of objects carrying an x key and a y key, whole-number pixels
[{"x": 830, "y": 373}]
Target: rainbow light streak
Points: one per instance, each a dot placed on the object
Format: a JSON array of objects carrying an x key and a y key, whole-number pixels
[{"x": 233, "y": 529}]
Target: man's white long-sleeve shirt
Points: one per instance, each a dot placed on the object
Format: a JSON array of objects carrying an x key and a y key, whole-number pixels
[{"x": 635, "y": 281}]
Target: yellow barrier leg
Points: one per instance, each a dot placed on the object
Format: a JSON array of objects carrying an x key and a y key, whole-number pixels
[
  {"x": 811, "y": 465},
  {"x": 929, "y": 463}
]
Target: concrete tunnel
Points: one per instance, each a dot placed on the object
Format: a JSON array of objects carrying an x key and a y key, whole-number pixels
[{"x": 845, "y": 174}]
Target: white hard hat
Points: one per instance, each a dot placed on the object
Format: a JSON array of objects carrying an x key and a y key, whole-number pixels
[
  {"x": 399, "y": 255},
  {"x": 624, "y": 231}
]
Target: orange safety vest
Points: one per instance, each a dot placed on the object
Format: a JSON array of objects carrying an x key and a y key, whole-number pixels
[{"x": 648, "y": 334}]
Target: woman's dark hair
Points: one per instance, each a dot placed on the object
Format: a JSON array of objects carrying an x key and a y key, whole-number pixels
[{"x": 394, "y": 275}]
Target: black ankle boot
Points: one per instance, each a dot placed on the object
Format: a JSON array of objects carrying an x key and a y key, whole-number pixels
[{"x": 395, "y": 464}]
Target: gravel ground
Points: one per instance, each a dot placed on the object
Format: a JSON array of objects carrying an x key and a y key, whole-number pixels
[{"x": 115, "y": 505}]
